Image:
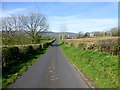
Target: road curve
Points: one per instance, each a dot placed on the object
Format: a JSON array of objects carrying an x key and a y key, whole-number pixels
[{"x": 52, "y": 70}]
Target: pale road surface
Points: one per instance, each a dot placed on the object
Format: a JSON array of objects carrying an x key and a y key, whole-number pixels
[{"x": 52, "y": 70}]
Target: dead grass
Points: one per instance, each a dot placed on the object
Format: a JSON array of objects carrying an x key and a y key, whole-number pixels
[
  {"x": 90, "y": 39},
  {"x": 102, "y": 44}
]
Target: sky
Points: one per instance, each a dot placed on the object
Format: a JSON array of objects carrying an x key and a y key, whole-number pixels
[{"x": 75, "y": 16}]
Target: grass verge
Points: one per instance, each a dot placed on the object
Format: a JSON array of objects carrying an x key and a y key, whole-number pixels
[
  {"x": 18, "y": 69},
  {"x": 100, "y": 68}
]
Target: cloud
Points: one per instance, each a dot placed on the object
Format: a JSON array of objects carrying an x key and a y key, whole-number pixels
[
  {"x": 14, "y": 11},
  {"x": 75, "y": 24}
]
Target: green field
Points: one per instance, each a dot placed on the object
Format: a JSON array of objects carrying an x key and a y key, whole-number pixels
[{"x": 99, "y": 67}]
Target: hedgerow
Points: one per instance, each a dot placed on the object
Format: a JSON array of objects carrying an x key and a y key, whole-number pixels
[
  {"x": 15, "y": 54},
  {"x": 101, "y": 44}
]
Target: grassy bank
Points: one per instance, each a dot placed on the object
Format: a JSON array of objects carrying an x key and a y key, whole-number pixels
[
  {"x": 18, "y": 69},
  {"x": 100, "y": 68}
]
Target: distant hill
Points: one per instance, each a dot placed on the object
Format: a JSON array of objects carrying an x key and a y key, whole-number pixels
[
  {"x": 57, "y": 34},
  {"x": 52, "y": 34}
]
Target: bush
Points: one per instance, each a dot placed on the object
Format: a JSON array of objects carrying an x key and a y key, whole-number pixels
[
  {"x": 109, "y": 45},
  {"x": 16, "y": 54},
  {"x": 81, "y": 46},
  {"x": 10, "y": 55}
]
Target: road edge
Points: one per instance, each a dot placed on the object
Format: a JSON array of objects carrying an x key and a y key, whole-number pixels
[{"x": 80, "y": 73}]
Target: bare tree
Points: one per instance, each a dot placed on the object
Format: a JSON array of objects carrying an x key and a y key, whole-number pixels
[
  {"x": 15, "y": 25},
  {"x": 10, "y": 25},
  {"x": 63, "y": 29},
  {"x": 34, "y": 24},
  {"x": 7, "y": 26}
]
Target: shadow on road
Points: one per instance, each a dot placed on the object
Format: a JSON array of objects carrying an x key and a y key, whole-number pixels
[{"x": 55, "y": 45}]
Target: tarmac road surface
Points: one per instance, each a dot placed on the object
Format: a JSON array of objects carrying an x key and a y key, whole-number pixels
[{"x": 52, "y": 70}]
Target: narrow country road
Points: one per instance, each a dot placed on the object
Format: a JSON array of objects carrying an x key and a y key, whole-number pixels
[{"x": 52, "y": 70}]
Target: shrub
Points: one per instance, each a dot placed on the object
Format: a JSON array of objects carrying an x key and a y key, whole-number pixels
[
  {"x": 81, "y": 46},
  {"x": 107, "y": 44},
  {"x": 16, "y": 54},
  {"x": 10, "y": 55}
]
